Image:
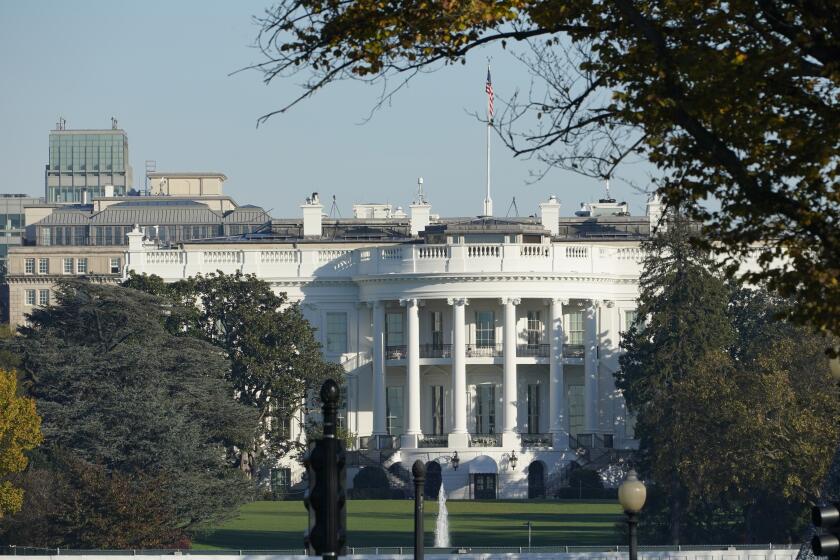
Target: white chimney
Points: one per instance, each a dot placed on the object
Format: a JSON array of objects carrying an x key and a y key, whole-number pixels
[
  {"x": 109, "y": 191},
  {"x": 550, "y": 215},
  {"x": 654, "y": 212},
  {"x": 313, "y": 212},
  {"x": 85, "y": 196},
  {"x": 135, "y": 239},
  {"x": 421, "y": 211}
]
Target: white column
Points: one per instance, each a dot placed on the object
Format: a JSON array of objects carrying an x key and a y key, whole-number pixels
[
  {"x": 412, "y": 431},
  {"x": 590, "y": 367},
  {"x": 459, "y": 436},
  {"x": 509, "y": 435},
  {"x": 557, "y": 384},
  {"x": 379, "y": 425}
]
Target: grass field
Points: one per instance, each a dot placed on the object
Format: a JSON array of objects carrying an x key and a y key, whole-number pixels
[{"x": 280, "y": 525}]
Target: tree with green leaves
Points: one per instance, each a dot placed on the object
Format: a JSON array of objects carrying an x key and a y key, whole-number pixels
[
  {"x": 681, "y": 337},
  {"x": 136, "y": 403},
  {"x": 733, "y": 100},
  {"x": 20, "y": 431},
  {"x": 736, "y": 414},
  {"x": 276, "y": 361}
]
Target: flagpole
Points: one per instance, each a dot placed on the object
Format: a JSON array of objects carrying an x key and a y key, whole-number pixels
[{"x": 488, "y": 202}]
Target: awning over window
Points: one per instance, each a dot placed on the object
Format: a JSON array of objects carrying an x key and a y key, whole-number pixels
[{"x": 483, "y": 465}]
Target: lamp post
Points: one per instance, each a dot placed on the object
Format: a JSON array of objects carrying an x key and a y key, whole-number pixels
[
  {"x": 419, "y": 472},
  {"x": 631, "y": 496}
]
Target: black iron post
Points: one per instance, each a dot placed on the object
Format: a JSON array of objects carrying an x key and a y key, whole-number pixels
[
  {"x": 419, "y": 471},
  {"x": 329, "y": 400},
  {"x": 631, "y": 526}
]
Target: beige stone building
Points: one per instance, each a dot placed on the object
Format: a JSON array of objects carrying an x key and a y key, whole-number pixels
[{"x": 33, "y": 272}]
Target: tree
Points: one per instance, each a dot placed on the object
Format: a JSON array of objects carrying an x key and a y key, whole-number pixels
[
  {"x": 736, "y": 412},
  {"x": 20, "y": 430},
  {"x": 734, "y": 101},
  {"x": 679, "y": 340},
  {"x": 140, "y": 405},
  {"x": 276, "y": 361}
]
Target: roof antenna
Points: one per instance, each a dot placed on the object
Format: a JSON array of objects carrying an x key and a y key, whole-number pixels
[
  {"x": 607, "y": 186},
  {"x": 513, "y": 207},
  {"x": 421, "y": 198},
  {"x": 334, "y": 209}
]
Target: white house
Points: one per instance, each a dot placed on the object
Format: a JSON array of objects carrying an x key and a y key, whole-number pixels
[{"x": 492, "y": 338}]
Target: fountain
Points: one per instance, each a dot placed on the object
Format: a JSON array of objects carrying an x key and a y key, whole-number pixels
[{"x": 442, "y": 525}]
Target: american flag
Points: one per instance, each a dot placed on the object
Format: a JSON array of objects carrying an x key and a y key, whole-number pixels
[{"x": 489, "y": 89}]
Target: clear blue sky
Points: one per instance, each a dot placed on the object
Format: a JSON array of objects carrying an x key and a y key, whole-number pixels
[{"x": 162, "y": 68}]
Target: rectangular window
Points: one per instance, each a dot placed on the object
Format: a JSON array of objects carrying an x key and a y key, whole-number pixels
[
  {"x": 576, "y": 327},
  {"x": 533, "y": 409},
  {"x": 29, "y": 266},
  {"x": 535, "y": 329},
  {"x": 30, "y": 297},
  {"x": 336, "y": 332},
  {"x": 43, "y": 297},
  {"x": 576, "y": 409},
  {"x": 115, "y": 265},
  {"x": 82, "y": 265},
  {"x": 68, "y": 266},
  {"x": 281, "y": 480},
  {"x": 394, "y": 332},
  {"x": 341, "y": 417},
  {"x": 485, "y": 409},
  {"x": 282, "y": 420},
  {"x": 437, "y": 329},
  {"x": 485, "y": 329},
  {"x": 629, "y": 319},
  {"x": 437, "y": 409},
  {"x": 394, "y": 412},
  {"x": 43, "y": 266}
]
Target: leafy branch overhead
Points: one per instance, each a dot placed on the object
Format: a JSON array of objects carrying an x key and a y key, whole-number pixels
[{"x": 732, "y": 101}]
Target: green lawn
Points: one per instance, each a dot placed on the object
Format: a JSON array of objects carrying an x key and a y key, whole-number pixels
[{"x": 280, "y": 525}]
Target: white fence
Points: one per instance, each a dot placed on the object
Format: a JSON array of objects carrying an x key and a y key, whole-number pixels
[{"x": 786, "y": 552}]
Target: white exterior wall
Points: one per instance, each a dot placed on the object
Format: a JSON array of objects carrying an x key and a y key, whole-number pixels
[{"x": 350, "y": 277}]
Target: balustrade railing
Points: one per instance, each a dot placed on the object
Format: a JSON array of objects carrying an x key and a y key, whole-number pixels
[
  {"x": 438, "y": 440},
  {"x": 392, "y": 254},
  {"x": 577, "y": 252},
  {"x": 433, "y": 251},
  {"x": 573, "y": 351},
  {"x": 485, "y": 440},
  {"x": 537, "y": 440},
  {"x": 435, "y": 350},
  {"x": 395, "y": 352},
  {"x": 532, "y": 350},
  {"x": 534, "y": 251},
  {"x": 481, "y": 251},
  {"x": 485, "y": 351}
]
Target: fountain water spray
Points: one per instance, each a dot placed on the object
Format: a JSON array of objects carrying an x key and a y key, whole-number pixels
[{"x": 442, "y": 525}]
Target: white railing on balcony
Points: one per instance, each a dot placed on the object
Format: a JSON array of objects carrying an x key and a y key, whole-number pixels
[
  {"x": 306, "y": 262},
  {"x": 327, "y": 255},
  {"x": 482, "y": 251},
  {"x": 392, "y": 254},
  {"x": 534, "y": 251},
  {"x": 221, "y": 257},
  {"x": 577, "y": 252},
  {"x": 432, "y": 251},
  {"x": 275, "y": 257},
  {"x": 163, "y": 257}
]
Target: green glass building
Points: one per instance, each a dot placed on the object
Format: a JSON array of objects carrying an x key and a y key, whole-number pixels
[{"x": 86, "y": 161}]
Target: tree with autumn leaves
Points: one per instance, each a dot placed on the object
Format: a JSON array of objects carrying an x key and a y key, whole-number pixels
[
  {"x": 734, "y": 101},
  {"x": 20, "y": 431}
]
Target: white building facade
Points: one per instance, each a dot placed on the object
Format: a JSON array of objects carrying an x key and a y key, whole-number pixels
[{"x": 493, "y": 340}]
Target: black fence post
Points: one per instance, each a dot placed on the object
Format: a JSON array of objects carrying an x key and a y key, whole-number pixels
[{"x": 419, "y": 471}]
